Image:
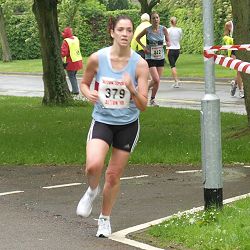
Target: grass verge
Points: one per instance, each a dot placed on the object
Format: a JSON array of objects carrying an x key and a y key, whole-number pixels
[
  {"x": 31, "y": 133},
  {"x": 187, "y": 66},
  {"x": 226, "y": 229}
]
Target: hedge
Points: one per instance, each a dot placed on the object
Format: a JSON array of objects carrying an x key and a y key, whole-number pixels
[{"x": 91, "y": 29}]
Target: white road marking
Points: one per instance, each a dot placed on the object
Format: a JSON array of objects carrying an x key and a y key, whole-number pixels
[
  {"x": 120, "y": 236},
  {"x": 133, "y": 177},
  {"x": 187, "y": 171},
  {"x": 12, "y": 192},
  {"x": 63, "y": 185},
  {"x": 179, "y": 101}
]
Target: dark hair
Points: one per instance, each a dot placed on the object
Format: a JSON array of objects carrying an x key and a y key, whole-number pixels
[
  {"x": 114, "y": 20},
  {"x": 153, "y": 13}
]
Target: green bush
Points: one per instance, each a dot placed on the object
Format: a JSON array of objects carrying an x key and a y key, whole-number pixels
[
  {"x": 23, "y": 37},
  {"x": 189, "y": 16},
  {"x": 91, "y": 19},
  {"x": 92, "y": 28}
]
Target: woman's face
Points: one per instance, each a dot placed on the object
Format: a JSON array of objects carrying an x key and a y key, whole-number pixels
[
  {"x": 123, "y": 32},
  {"x": 155, "y": 19}
]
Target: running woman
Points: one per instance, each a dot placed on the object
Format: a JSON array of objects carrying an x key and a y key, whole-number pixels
[
  {"x": 175, "y": 36},
  {"x": 154, "y": 52},
  {"x": 228, "y": 40},
  {"x": 119, "y": 95}
]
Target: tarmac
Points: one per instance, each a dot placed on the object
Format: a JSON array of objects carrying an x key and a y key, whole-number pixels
[
  {"x": 38, "y": 202},
  {"x": 188, "y": 96}
]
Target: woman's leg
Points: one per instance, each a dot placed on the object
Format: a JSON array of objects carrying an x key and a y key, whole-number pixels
[
  {"x": 240, "y": 85},
  {"x": 117, "y": 163},
  {"x": 96, "y": 152}
]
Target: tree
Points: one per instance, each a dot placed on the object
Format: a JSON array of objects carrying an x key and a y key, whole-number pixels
[
  {"x": 56, "y": 90},
  {"x": 6, "y": 57},
  {"x": 117, "y": 4},
  {"x": 147, "y": 6},
  {"x": 241, "y": 19},
  {"x": 70, "y": 8}
]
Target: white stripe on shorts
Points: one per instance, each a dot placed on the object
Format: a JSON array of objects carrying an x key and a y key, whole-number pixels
[
  {"x": 90, "y": 130},
  {"x": 136, "y": 138}
]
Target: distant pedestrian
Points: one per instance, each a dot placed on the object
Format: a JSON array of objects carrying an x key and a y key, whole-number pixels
[
  {"x": 175, "y": 36},
  {"x": 154, "y": 52},
  {"x": 145, "y": 22},
  {"x": 228, "y": 40},
  {"x": 72, "y": 58}
]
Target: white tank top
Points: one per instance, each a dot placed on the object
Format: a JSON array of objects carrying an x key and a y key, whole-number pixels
[{"x": 175, "y": 36}]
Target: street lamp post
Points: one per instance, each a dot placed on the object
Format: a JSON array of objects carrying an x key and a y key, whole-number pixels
[{"x": 210, "y": 122}]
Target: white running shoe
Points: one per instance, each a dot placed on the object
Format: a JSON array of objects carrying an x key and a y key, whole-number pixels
[
  {"x": 176, "y": 85},
  {"x": 104, "y": 228},
  {"x": 84, "y": 207},
  {"x": 153, "y": 103},
  {"x": 241, "y": 94}
]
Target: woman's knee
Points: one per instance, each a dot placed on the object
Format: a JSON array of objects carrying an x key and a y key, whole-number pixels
[
  {"x": 112, "y": 178},
  {"x": 93, "y": 168},
  {"x": 156, "y": 81}
]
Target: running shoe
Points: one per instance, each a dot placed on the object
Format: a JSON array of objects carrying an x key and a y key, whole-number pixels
[
  {"x": 176, "y": 85},
  {"x": 241, "y": 94},
  {"x": 233, "y": 87},
  {"x": 84, "y": 207},
  {"x": 153, "y": 103},
  {"x": 104, "y": 228}
]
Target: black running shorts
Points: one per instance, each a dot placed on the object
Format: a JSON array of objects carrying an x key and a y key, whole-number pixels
[
  {"x": 123, "y": 137},
  {"x": 155, "y": 63},
  {"x": 173, "y": 55}
]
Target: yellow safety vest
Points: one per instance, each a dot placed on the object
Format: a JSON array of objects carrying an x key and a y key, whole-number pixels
[
  {"x": 134, "y": 45},
  {"x": 74, "y": 49},
  {"x": 228, "y": 40}
]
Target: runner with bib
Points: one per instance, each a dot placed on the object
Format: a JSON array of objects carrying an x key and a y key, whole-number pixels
[
  {"x": 120, "y": 93},
  {"x": 154, "y": 52}
]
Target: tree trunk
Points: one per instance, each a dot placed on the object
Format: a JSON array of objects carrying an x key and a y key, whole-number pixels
[
  {"x": 56, "y": 89},
  {"x": 6, "y": 57},
  {"x": 146, "y": 7},
  {"x": 241, "y": 20}
]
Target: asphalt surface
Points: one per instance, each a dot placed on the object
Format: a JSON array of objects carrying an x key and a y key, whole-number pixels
[
  {"x": 41, "y": 218},
  {"x": 188, "y": 96}
]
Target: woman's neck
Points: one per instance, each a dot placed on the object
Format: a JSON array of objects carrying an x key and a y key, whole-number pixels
[
  {"x": 118, "y": 51},
  {"x": 155, "y": 27}
]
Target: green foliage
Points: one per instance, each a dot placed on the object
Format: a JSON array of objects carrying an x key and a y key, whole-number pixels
[
  {"x": 15, "y": 7},
  {"x": 89, "y": 20},
  {"x": 189, "y": 16},
  {"x": 206, "y": 230},
  {"x": 93, "y": 33},
  {"x": 117, "y": 5},
  {"x": 23, "y": 36}
]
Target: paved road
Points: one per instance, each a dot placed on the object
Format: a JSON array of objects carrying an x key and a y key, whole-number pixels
[
  {"x": 40, "y": 218},
  {"x": 188, "y": 96}
]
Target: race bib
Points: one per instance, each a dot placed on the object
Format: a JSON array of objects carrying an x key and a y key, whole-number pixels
[
  {"x": 113, "y": 93},
  {"x": 156, "y": 52}
]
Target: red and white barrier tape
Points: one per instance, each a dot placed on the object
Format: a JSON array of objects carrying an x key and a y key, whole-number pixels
[{"x": 228, "y": 62}]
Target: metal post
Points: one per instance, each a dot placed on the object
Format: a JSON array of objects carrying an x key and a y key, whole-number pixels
[{"x": 210, "y": 122}]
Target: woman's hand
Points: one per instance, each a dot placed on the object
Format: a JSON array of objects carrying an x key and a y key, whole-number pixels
[
  {"x": 146, "y": 50},
  {"x": 128, "y": 82},
  {"x": 93, "y": 96}
]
